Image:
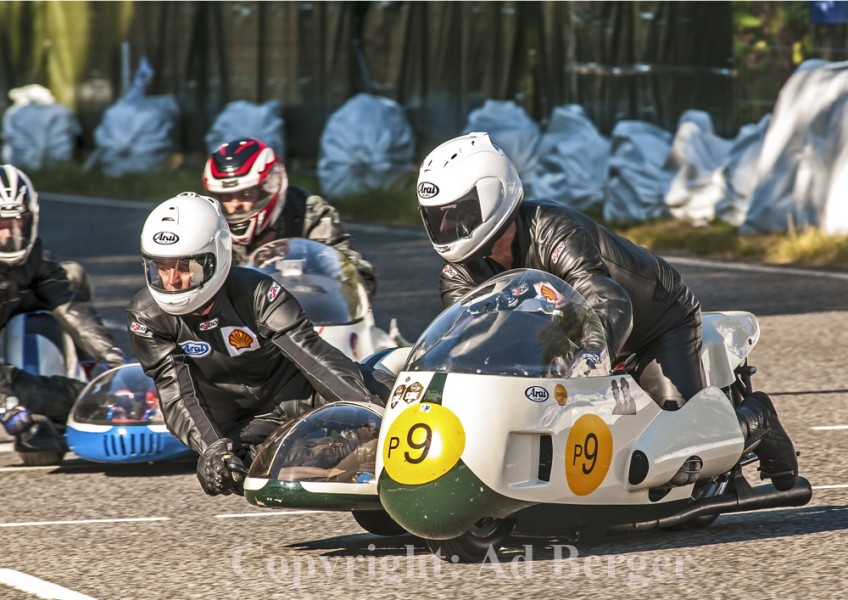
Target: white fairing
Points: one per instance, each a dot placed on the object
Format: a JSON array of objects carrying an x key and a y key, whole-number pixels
[
  {"x": 486, "y": 360},
  {"x": 327, "y": 285},
  {"x": 728, "y": 338},
  {"x": 39, "y": 353}
]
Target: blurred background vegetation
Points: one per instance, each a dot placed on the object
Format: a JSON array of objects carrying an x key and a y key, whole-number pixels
[{"x": 201, "y": 51}]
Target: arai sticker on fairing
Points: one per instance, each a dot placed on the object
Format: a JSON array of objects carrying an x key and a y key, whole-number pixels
[
  {"x": 588, "y": 454},
  {"x": 239, "y": 340},
  {"x": 195, "y": 349},
  {"x": 423, "y": 443}
]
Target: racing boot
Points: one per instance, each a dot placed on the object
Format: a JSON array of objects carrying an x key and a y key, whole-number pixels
[
  {"x": 766, "y": 437},
  {"x": 41, "y": 444}
]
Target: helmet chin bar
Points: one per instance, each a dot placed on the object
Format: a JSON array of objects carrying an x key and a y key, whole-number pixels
[{"x": 486, "y": 247}]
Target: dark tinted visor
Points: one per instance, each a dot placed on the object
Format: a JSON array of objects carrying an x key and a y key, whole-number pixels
[
  {"x": 15, "y": 232},
  {"x": 176, "y": 275},
  {"x": 450, "y": 222}
]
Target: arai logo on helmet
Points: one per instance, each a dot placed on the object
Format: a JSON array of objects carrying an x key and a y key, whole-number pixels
[
  {"x": 193, "y": 348},
  {"x": 166, "y": 238},
  {"x": 427, "y": 190}
]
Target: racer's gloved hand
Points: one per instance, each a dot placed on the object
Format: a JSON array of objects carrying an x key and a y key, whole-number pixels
[
  {"x": 114, "y": 357},
  {"x": 586, "y": 363},
  {"x": 219, "y": 470},
  {"x": 15, "y": 419}
]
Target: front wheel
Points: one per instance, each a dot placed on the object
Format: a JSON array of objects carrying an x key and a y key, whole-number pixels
[
  {"x": 377, "y": 522},
  {"x": 474, "y": 545}
]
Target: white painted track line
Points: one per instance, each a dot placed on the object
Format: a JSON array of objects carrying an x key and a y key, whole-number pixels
[
  {"x": 830, "y": 428},
  {"x": 838, "y": 486},
  {"x": 86, "y": 522},
  {"x": 38, "y": 587},
  {"x": 279, "y": 513}
]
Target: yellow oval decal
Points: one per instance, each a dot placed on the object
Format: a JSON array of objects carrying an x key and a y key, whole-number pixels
[
  {"x": 588, "y": 454},
  {"x": 422, "y": 444}
]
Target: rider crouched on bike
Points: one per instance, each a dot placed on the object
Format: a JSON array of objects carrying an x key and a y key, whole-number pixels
[
  {"x": 250, "y": 182},
  {"x": 472, "y": 203},
  {"x": 31, "y": 279},
  {"x": 231, "y": 352}
]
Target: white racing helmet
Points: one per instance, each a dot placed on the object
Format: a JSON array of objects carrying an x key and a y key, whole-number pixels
[
  {"x": 468, "y": 191},
  {"x": 190, "y": 234},
  {"x": 18, "y": 215}
]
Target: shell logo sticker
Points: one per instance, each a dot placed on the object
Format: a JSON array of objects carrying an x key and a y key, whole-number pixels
[
  {"x": 239, "y": 340},
  {"x": 561, "y": 394},
  {"x": 588, "y": 454},
  {"x": 549, "y": 294},
  {"x": 422, "y": 444}
]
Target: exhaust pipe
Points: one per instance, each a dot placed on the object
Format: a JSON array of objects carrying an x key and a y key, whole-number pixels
[{"x": 742, "y": 498}]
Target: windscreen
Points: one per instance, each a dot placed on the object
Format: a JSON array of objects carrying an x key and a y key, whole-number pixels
[
  {"x": 523, "y": 323},
  {"x": 336, "y": 443},
  {"x": 120, "y": 396},
  {"x": 323, "y": 280}
]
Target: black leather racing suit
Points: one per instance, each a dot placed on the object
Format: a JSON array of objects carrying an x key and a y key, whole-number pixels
[
  {"x": 41, "y": 283},
  {"x": 308, "y": 216},
  {"x": 644, "y": 306},
  {"x": 243, "y": 368}
]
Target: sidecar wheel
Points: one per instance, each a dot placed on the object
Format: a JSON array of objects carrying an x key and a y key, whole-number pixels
[
  {"x": 474, "y": 544},
  {"x": 377, "y": 522}
]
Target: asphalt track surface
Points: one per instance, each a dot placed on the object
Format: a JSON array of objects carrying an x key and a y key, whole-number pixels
[{"x": 83, "y": 530}]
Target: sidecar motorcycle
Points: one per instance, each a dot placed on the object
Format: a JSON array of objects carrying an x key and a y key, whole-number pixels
[
  {"x": 326, "y": 284},
  {"x": 117, "y": 419},
  {"x": 488, "y": 432},
  {"x": 36, "y": 343}
]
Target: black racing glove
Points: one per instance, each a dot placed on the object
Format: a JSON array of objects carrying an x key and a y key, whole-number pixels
[
  {"x": 219, "y": 470},
  {"x": 114, "y": 357}
]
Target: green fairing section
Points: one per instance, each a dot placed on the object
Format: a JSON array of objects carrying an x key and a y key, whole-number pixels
[
  {"x": 445, "y": 508},
  {"x": 290, "y": 494},
  {"x": 433, "y": 395}
]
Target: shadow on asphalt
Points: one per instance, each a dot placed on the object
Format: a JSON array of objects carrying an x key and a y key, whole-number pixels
[
  {"x": 731, "y": 528},
  {"x": 76, "y": 466}
]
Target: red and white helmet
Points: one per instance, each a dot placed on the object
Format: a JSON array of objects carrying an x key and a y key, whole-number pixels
[
  {"x": 250, "y": 182},
  {"x": 18, "y": 215}
]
